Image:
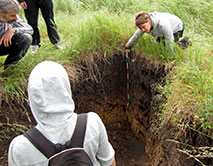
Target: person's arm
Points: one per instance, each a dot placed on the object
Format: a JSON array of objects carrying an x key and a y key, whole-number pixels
[
  {"x": 22, "y": 27},
  {"x": 105, "y": 153},
  {"x": 138, "y": 33},
  {"x": 13, "y": 158}
]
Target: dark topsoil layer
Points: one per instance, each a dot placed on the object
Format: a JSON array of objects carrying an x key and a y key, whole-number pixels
[{"x": 101, "y": 87}]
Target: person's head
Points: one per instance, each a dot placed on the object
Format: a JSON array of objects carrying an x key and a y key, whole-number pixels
[
  {"x": 50, "y": 95},
  {"x": 8, "y": 11},
  {"x": 143, "y": 22}
]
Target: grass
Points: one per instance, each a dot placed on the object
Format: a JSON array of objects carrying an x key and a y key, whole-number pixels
[
  {"x": 191, "y": 88},
  {"x": 103, "y": 27}
]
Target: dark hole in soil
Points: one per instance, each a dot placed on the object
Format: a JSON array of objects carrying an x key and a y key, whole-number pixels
[{"x": 102, "y": 89}]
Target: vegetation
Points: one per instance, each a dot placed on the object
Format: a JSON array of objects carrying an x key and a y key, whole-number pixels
[{"x": 103, "y": 27}]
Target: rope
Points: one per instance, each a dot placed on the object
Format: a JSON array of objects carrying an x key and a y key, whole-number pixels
[{"x": 127, "y": 76}]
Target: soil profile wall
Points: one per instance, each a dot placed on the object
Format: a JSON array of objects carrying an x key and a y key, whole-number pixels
[{"x": 101, "y": 87}]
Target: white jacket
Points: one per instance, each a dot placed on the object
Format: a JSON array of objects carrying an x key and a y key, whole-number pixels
[{"x": 52, "y": 106}]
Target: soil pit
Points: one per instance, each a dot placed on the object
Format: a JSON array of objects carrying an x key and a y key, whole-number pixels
[{"x": 101, "y": 88}]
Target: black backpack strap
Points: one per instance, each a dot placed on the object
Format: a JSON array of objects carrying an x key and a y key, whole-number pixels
[
  {"x": 40, "y": 142},
  {"x": 48, "y": 148},
  {"x": 77, "y": 139}
]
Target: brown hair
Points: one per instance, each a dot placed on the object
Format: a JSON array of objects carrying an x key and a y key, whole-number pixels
[{"x": 142, "y": 18}]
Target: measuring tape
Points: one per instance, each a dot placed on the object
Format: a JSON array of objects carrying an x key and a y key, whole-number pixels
[{"x": 127, "y": 76}]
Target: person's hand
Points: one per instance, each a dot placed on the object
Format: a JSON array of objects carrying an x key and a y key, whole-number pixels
[
  {"x": 6, "y": 39},
  {"x": 127, "y": 47},
  {"x": 23, "y": 5}
]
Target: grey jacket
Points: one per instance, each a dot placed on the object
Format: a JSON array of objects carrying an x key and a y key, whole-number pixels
[{"x": 164, "y": 25}]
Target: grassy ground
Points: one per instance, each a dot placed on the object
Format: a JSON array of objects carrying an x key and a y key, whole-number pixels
[{"x": 103, "y": 27}]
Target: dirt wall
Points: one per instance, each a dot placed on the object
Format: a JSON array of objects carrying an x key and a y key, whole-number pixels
[{"x": 102, "y": 89}]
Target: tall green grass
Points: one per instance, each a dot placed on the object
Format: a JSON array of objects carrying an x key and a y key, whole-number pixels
[
  {"x": 73, "y": 6},
  {"x": 107, "y": 25},
  {"x": 190, "y": 93},
  {"x": 100, "y": 32}
]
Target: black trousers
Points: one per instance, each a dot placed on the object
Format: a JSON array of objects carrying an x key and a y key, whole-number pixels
[
  {"x": 176, "y": 35},
  {"x": 32, "y": 13},
  {"x": 17, "y": 50}
]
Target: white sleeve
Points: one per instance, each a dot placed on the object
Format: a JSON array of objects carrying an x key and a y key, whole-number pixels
[
  {"x": 13, "y": 156},
  {"x": 105, "y": 153},
  {"x": 22, "y": 152},
  {"x": 138, "y": 33}
]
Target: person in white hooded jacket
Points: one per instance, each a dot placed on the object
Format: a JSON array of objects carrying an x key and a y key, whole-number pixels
[
  {"x": 168, "y": 28},
  {"x": 52, "y": 106}
]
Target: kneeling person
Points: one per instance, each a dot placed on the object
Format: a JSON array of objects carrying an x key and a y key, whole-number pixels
[{"x": 15, "y": 34}]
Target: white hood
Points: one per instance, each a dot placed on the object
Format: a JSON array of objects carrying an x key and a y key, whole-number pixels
[{"x": 50, "y": 95}]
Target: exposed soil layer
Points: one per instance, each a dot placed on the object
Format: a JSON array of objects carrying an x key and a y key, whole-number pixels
[
  {"x": 102, "y": 89},
  {"x": 99, "y": 85}
]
